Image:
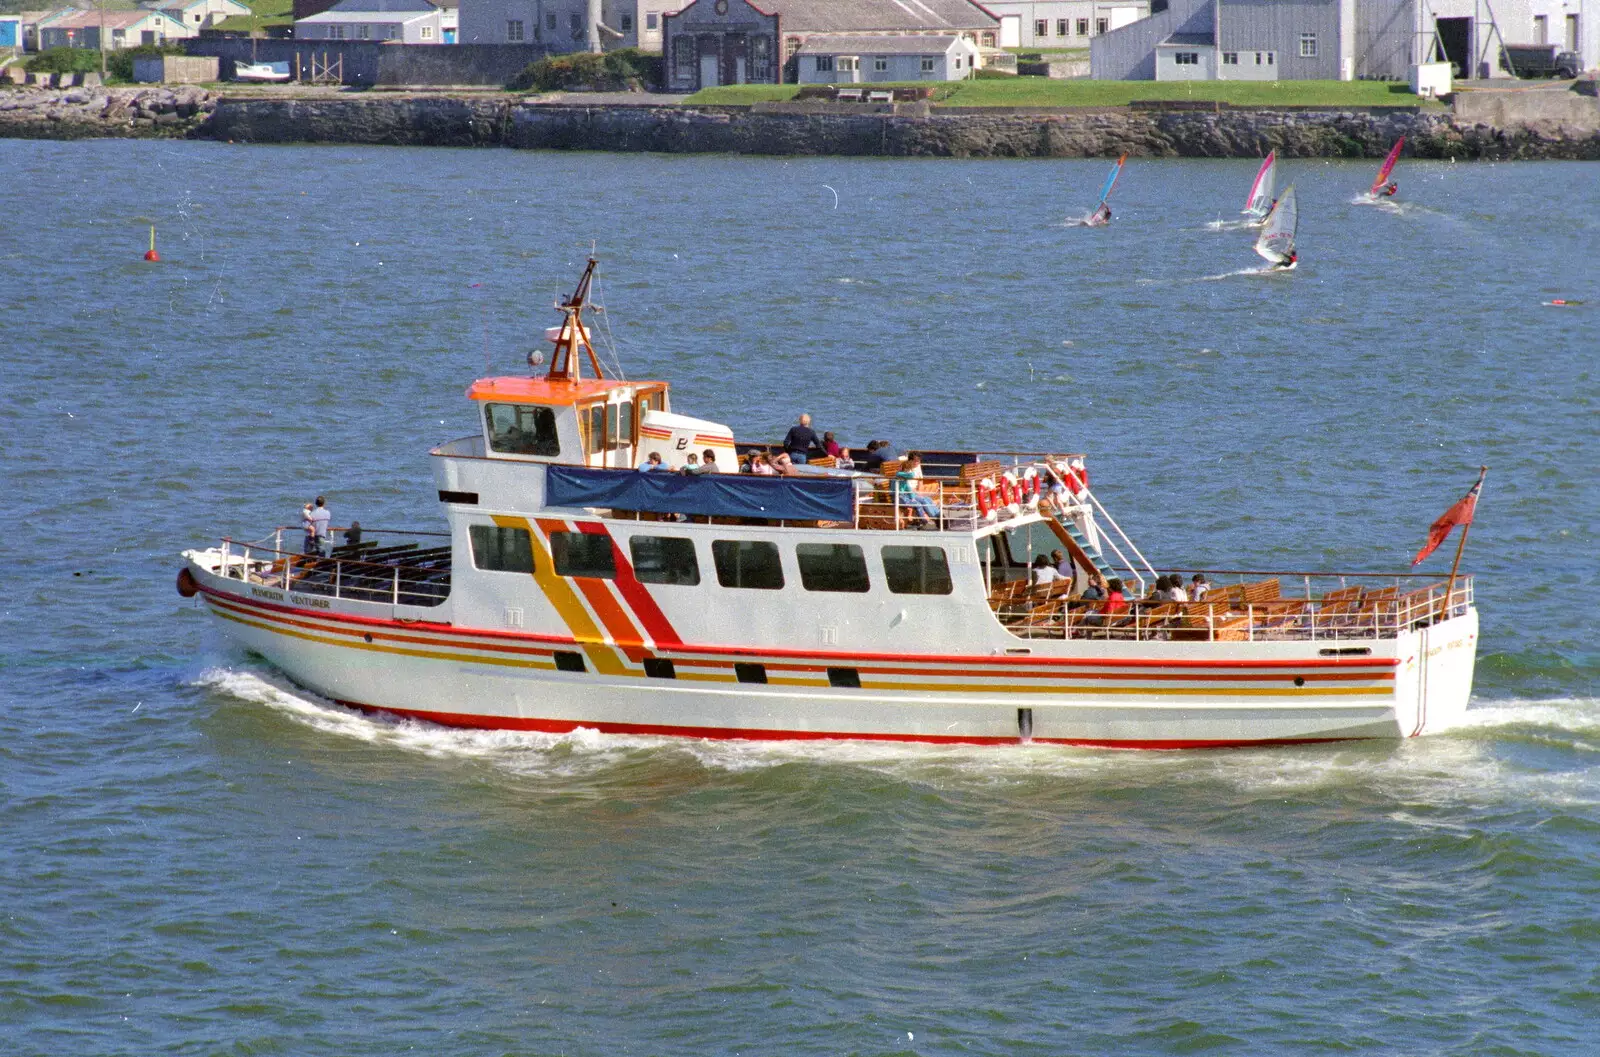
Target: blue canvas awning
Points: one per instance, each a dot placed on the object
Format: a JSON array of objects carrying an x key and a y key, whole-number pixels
[{"x": 715, "y": 494}]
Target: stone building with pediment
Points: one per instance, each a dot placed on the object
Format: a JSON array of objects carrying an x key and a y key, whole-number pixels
[{"x": 716, "y": 42}]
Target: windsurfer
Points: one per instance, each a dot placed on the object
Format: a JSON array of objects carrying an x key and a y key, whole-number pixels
[
  {"x": 1286, "y": 263},
  {"x": 1389, "y": 189},
  {"x": 1100, "y": 217}
]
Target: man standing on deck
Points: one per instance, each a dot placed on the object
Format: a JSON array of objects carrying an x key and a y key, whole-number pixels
[
  {"x": 801, "y": 440},
  {"x": 322, "y": 527}
]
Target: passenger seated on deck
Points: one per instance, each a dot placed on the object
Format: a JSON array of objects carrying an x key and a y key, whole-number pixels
[
  {"x": 761, "y": 466},
  {"x": 1062, "y": 565},
  {"x": 783, "y": 466},
  {"x": 1199, "y": 586},
  {"x": 1096, "y": 589},
  {"x": 352, "y": 535},
  {"x": 843, "y": 461},
  {"x": 878, "y": 452},
  {"x": 1175, "y": 591},
  {"x": 1114, "y": 605},
  {"x": 1043, "y": 574},
  {"x": 708, "y": 462},
  {"x": 829, "y": 445},
  {"x": 922, "y": 507},
  {"x": 652, "y": 463},
  {"x": 691, "y": 466}
]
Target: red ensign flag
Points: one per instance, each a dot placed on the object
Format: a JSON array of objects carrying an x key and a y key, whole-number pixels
[{"x": 1460, "y": 514}]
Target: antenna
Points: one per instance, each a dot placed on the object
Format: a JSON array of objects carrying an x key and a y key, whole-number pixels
[{"x": 564, "y": 363}]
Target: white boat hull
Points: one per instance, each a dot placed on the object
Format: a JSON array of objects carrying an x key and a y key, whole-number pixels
[{"x": 412, "y": 662}]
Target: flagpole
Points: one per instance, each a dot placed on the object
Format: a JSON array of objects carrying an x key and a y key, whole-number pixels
[{"x": 1450, "y": 587}]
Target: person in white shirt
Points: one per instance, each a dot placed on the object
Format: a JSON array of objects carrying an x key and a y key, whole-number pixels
[
  {"x": 1198, "y": 587},
  {"x": 1043, "y": 574},
  {"x": 322, "y": 527}
]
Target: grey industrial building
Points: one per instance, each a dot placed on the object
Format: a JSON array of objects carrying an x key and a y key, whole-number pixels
[{"x": 1269, "y": 40}]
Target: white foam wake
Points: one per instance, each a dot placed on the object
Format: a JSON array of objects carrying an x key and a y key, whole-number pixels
[{"x": 1468, "y": 764}]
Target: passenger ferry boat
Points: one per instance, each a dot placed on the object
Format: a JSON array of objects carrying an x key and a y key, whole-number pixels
[{"x": 575, "y": 590}]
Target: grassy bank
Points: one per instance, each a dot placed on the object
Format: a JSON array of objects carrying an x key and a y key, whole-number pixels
[{"x": 1042, "y": 91}]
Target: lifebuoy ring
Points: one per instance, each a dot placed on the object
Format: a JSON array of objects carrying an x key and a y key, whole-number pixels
[
  {"x": 1010, "y": 493},
  {"x": 986, "y": 499},
  {"x": 187, "y": 586}
]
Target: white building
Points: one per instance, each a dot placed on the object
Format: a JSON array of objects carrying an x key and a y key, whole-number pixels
[
  {"x": 858, "y": 60},
  {"x": 1066, "y": 23},
  {"x": 405, "y": 27},
  {"x": 124, "y": 29},
  {"x": 197, "y": 14}
]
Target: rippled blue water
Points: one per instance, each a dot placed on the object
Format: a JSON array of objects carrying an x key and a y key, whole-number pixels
[{"x": 199, "y": 859}]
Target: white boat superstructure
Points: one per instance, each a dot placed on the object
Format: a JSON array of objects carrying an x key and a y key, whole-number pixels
[{"x": 572, "y": 589}]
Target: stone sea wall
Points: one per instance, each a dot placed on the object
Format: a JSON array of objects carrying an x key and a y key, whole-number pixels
[{"x": 906, "y": 130}]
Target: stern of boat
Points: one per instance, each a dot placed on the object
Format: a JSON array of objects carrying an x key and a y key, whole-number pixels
[{"x": 1434, "y": 679}]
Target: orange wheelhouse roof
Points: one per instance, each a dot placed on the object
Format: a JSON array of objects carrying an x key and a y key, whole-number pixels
[{"x": 545, "y": 391}]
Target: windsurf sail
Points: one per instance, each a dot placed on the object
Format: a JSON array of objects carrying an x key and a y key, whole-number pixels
[
  {"x": 1388, "y": 165},
  {"x": 1276, "y": 241},
  {"x": 1111, "y": 181},
  {"x": 1259, "y": 201}
]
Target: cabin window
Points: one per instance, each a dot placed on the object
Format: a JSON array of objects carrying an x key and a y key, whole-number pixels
[
  {"x": 846, "y": 677},
  {"x": 748, "y": 563},
  {"x": 625, "y": 433},
  {"x": 569, "y": 661},
  {"x": 613, "y": 411},
  {"x": 664, "y": 560},
  {"x": 522, "y": 429},
  {"x": 660, "y": 668},
  {"x": 749, "y": 673},
  {"x": 832, "y": 567},
  {"x": 917, "y": 570},
  {"x": 583, "y": 554},
  {"x": 593, "y": 420},
  {"x": 1308, "y": 45},
  {"x": 501, "y": 550}
]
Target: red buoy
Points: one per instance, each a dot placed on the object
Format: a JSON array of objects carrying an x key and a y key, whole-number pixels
[{"x": 152, "y": 255}]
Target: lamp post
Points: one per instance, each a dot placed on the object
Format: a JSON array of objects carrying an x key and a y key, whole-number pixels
[{"x": 102, "y": 6}]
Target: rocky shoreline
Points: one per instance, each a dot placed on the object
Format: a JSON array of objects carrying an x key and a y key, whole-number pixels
[{"x": 1570, "y": 131}]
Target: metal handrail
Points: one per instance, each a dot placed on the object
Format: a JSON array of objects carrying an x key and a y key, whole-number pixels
[{"x": 277, "y": 556}]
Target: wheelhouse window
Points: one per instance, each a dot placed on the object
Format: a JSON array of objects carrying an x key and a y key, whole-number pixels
[
  {"x": 748, "y": 563},
  {"x": 583, "y": 554},
  {"x": 522, "y": 429},
  {"x": 664, "y": 560},
  {"x": 501, "y": 550},
  {"x": 917, "y": 570},
  {"x": 832, "y": 567}
]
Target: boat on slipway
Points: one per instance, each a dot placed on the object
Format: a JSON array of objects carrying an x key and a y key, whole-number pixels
[{"x": 571, "y": 590}]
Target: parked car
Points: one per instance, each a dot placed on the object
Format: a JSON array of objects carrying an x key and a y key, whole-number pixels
[{"x": 1540, "y": 60}]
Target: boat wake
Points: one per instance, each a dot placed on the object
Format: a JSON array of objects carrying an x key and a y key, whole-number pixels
[
  {"x": 1466, "y": 763},
  {"x": 1231, "y": 225}
]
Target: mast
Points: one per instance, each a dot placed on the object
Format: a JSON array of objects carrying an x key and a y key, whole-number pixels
[{"x": 564, "y": 363}]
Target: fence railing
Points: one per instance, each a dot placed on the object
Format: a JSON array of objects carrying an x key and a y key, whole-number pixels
[
  {"x": 1235, "y": 613},
  {"x": 400, "y": 574}
]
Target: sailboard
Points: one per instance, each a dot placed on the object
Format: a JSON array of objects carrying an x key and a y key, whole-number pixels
[
  {"x": 1259, "y": 202},
  {"x": 1387, "y": 167},
  {"x": 1275, "y": 244},
  {"x": 1111, "y": 181}
]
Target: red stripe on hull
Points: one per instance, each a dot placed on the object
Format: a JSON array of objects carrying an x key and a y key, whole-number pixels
[
  {"x": 758, "y": 653},
  {"x": 567, "y": 726}
]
